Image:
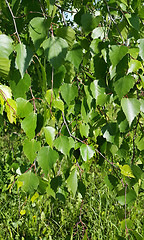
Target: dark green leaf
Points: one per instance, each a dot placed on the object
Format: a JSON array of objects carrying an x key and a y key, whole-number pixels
[
  {"x": 55, "y": 50},
  {"x": 75, "y": 55},
  {"x": 38, "y": 29},
  {"x": 123, "y": 85}
]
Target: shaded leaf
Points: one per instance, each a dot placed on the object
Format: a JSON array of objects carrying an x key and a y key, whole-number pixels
[
  {"x": 67, "y": 33},
  {"x": 89, "y": 22},
  {"x": 116, "y": 53},
  {"x": 123, "y": 85},
  {"x": 55, "y": 50},
  {"x": 38, "y": 29},
  {"x": 75, "y": 55},
  {"x": 4, "y": 67}
]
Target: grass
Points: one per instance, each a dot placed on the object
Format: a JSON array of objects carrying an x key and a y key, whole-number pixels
[{"x": 97, "y": 216}]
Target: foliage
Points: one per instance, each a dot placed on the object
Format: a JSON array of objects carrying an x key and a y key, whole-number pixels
[{"x": 72, "y": 93}]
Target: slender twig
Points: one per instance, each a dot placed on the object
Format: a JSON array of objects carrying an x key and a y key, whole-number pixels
[
  {"x": 43, "y": 12},
  {"x": 79, "y": 140},
  {"x": 114, "y": 21},
  {"x": 82, "y": 223},
  {"x": 3, "y": 95},
  {"x": 63, "y": 18},
  {"x": 64, "y": 9},
  {"x": 133, "y": 157},
  {"x": 33, "y": 98},
  {"x": 13, "y": 20}
]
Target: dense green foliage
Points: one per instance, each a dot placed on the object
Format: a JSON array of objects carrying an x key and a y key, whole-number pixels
[{"x": 71, "y": 114}]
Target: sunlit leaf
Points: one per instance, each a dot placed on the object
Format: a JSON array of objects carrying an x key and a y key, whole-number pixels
[
  {"x": 72, "y": 182},
  {"x": 131, "y": 108}
]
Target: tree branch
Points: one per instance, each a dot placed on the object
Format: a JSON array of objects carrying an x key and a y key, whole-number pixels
[{"x": 13, "y": 21}]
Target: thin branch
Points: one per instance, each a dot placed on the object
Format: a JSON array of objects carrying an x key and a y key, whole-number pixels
[
  {"x": 63, "y": 18},
  {"x": 64, "y": 9},
  {"x": 114, "y": 21},
  {"x": 13, "y": 20},
  {"x": 33, "y": 98},
  {"x": 79, "y": 140}
]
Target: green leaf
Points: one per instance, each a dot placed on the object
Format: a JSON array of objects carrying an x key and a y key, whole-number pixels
[
  {"x": 140, "y": 144},
  {"x": 55, "y": 50},
  {"x": 116, "y": 53},
  {"x": 38, "y": 29},
  {"x": 126, "y": 222},
  {"x": 64, "y": 144},
  {"x": 84, "y": 129},
  {"x": 111, "y": 181},
  {"x": 122, "y": 121},
  {"x": 95, "y": 46},
  {"x": 87, "y": 152},
  {"x": 142, "y": 105},
  {"x": 68, "y": 92},
  {"x": 30, "y": 182},
  {"x": 126, "y": 171},
  {"x": 89, "y": 22},
  {"x": 49, "y": 135},
  {"x": 131, "y": 108},
  {"x": 11, "y": 109},
  {"x": 98, "y": 32},
  {"x": 67, "y": 33},
  {"x": 5, "y": 92},
  {"x": 109, "y": 132},
  {"x": 4, "y": 67},
  {"x": 134, "y": 65},
  {"x": 141, "y": 48},
  {"x": 6, "y": 46},
  {"x": 23, "y": 58},
  {"x": 20, "y": 88},
  {"x": 75, "y": 55},
  {"x": 59, "y": 75},
  {"x": 72, "y": 182},
  {"x": 29, "y": 125},
  {"x": 30, "y": 147},
  {"x": 24, "y": 107},
  {"x": 96, "y": 89},
  {"x": 123, "y": 85},
  {"x": 130, "y": 198},
  {"x": 59, "y": 104},
  {"x": 47, "y": 158}
]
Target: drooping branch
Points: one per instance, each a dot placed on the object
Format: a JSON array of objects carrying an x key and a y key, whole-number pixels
[{"x": 13, "y": 20}]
